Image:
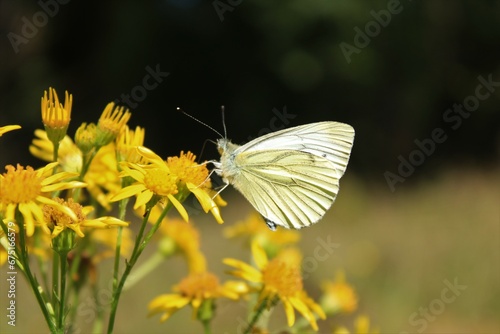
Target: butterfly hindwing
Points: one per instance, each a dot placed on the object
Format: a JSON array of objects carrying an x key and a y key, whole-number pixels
[{"x": 292, "y": 189}]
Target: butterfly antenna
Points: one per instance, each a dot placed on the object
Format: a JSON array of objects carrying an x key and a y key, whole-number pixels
[
  {"x": 223, "y": 121},
  {"x": 205, "y": 124}
]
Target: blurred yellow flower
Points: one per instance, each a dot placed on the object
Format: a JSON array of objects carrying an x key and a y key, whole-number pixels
[
  {"x": 338, "y": 296},
  {"x": 279, "y": 280},
  {"x": 361, "y": 326},
  {"x": 7, "y": 128},
  {"x": 194, "y": 290},
  {"x": 102, "y": 175},
  {"x": 254, "y": 228},
  {"x": 183, "y": 237},
  {"x": 108, "y": 238},
  {"x": 26, "y": 190},
  {"x": 69, "y": 157}
]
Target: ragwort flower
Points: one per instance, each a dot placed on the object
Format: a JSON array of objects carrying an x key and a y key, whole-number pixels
[
  {"x": 254, "y": 228},
  {"x": 338, "y": 296},
  {"x": 153, "y": 181},
  {"x": 55, "y": 115},
  {"x": 102, "y": 175},
  {"x": 195, "y": 290},
  {"x": 183, "y": 238},
  {"x": 57, "y": 221},
  {"x": 26, "y": 190},
  {"x": 279, "y": 280},
  {"x": 194, "y": 178},
  {"x": 166, "y": 181},
  {"x": 111, "y": 122}
]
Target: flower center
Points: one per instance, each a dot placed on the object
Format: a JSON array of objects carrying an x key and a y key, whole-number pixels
[
  {"x": 203, "y": 284},
  {"x": 282, "y": 278},
  {"x": 188, "y": 170},
  {"x": 55, "y": 217},
  {"x": 160, "y": 182},
  {"x": 19, "y": 185}
]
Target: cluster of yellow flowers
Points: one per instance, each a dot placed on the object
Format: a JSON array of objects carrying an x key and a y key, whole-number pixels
[{"x": 61, "y": 211}]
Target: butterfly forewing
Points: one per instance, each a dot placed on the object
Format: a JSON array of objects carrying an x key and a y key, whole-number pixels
[{"x": 331, "y": 140}]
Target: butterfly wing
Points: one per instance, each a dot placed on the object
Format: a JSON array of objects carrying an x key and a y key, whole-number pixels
[
  {"x": 289, "y": 188},
  {"x": 330, "y": 140}
]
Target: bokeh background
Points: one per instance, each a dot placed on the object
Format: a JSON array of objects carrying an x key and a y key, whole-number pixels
[{"x": 394, "y": 70}]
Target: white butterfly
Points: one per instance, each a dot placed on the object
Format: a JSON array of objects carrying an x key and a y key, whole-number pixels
[{"x": 291, "y": 176}]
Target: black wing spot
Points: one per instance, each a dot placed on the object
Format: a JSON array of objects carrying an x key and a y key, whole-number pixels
[{"x": 272, "y": 225}]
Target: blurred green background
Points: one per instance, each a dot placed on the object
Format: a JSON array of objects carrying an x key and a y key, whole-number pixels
[{"x": 415, "y": 208}]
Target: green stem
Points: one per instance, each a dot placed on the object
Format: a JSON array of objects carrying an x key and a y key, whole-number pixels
[
  {"x": 258, "y": 313},
  {"x": 37, "y": 289},
  {"x": 62, "y": 292},
  {"x": 55, "y": 279},
  {"x": 122, "y": 209},
  {"x": 137, "y": 251}
]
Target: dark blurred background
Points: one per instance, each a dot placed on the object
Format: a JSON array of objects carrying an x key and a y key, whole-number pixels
[
  {"x": 256, "y": 56},
  {"x": 394, "y": 70}
]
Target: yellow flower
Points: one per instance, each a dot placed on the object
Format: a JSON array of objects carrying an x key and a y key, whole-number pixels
[
  {"x": 279, "y": 280},
  {"x": 127, "y": 143},
  {"x": 55, "y": 115},
  {"x": 182, "y": 237},
  {"x": 26, "y": 190},
  {"x": 86, "y": 138},
  {"x": 69, "y": 157},
  {"x": 111, "y": 122},
  {"x": 158, "y": 179},
  {"x": 152, "y": 180},
  {"x": 194, "y": 290},
  {"x": 255, "y": 228},
  {"x": 7, "y": 128},
  {"x": 108, "y": 238},
  {"x": 338, "y": 296},
  {"x": 195, "y": 178},
  {"x": 58, "y": 221},
  {"x": 361, "y": 326},
  {"x": 102, "y": 176}
]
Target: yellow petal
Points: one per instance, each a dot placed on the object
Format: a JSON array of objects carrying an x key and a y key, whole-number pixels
[
  {"x": 259, "y": 255},
  {"x": 28, "y": 218},
  {"x": 143, "y": 198},
  {"x": 182, "y": 211},
  {"x": 58, "y": 206},
  {"x": 128, "y": 192},
  {"x": 290, "y": 313}
]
